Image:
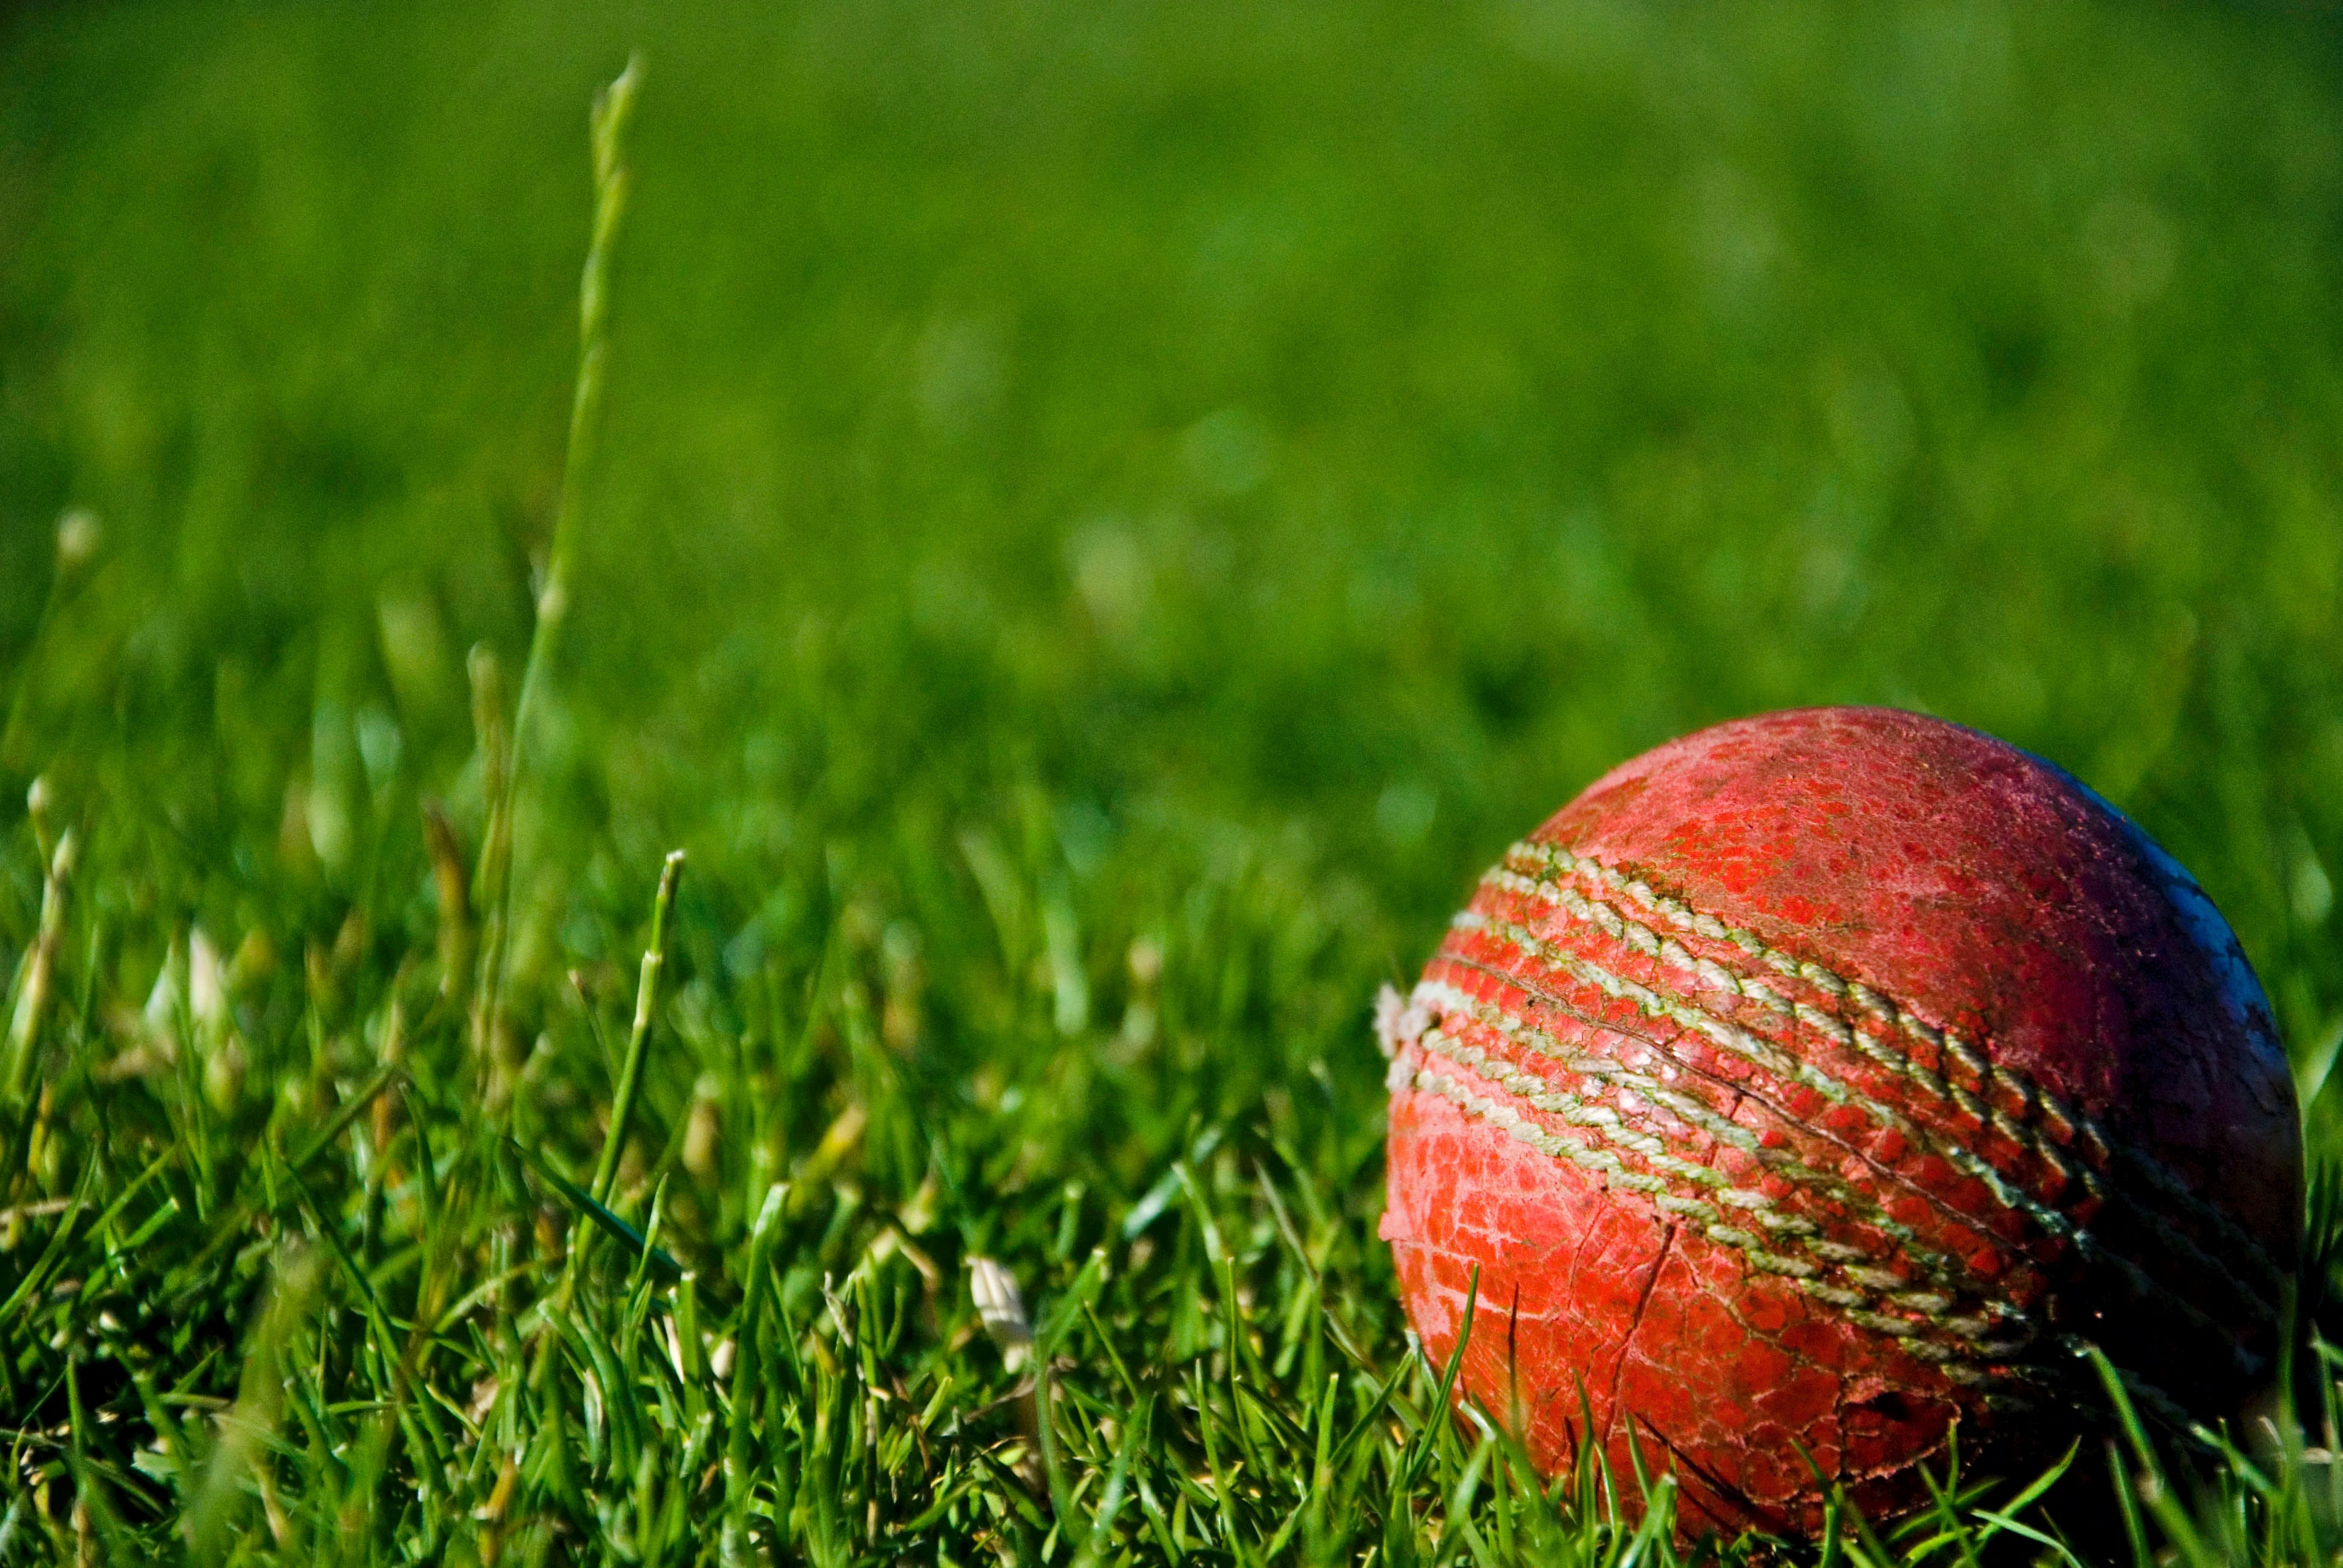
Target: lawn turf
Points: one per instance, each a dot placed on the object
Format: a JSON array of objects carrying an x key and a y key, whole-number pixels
[{"x": 1107, "y": 520}]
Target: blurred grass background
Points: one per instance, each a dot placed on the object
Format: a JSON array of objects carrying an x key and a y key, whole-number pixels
[
  {"x": 1141, "y": 490},
  {"x": 1371, "y": 424}
]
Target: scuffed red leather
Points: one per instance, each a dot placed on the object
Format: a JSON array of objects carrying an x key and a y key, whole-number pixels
[{"x": 1984, "y": 893}]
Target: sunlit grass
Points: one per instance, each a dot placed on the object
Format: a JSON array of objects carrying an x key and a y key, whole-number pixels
[{"x": 1104, "y": 526}]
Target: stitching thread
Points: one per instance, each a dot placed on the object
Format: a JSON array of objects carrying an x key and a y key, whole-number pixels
[
  {"x": 1697, "y": 1113},
  {"x": 2061, "y": 1124},
  {"x": 1957, "y": 1366},
  {"x": 1782, "y": 1065},
  {"x": 1859, "y": 1306}
]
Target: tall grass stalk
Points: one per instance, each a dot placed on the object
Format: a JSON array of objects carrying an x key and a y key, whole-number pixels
[{"x": 613, "y": 110}]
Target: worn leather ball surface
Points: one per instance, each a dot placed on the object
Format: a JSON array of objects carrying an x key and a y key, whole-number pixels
[{"x": 1831, "y": 1078}]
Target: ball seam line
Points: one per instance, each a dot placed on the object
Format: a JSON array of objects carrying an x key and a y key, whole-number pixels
[
  {"x": 1939, "y": 1266},
  {"x": 1868, "y": 1293},
  {"x": 1857, "y": 1307},
  {"x": 1535, "y": 989},
  {"x": 1953, "y": 1363},
  {"x": 1771, "y": 1059},
  {"x": 1998, "y": 1081},
  {"x": 1570, "y": 903}
]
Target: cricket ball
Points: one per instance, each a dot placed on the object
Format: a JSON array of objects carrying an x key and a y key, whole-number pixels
[{"x": 1810, "y": 1094}]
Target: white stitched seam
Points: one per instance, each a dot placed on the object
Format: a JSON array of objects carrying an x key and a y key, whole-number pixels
[
  {"x": 2062, "y": 1122},
  {"x": 1689, "y": 1109},
  {"x": 1764, "y": 1054},
  {"x": 2058, "y": 1116},
  {"x": 1951, "y": 1360},
  {"x": 1857, "y": 1306}
]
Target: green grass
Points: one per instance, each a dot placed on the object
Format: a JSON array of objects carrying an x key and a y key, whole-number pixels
[{"x": 1105, "y": 520}]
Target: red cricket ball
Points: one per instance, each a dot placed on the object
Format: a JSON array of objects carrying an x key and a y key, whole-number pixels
[{"x": 1831, "y": 1080}]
